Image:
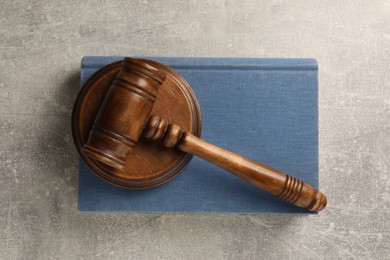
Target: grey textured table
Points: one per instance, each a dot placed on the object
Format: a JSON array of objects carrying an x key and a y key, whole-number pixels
[{"x": 41, "y": 44}]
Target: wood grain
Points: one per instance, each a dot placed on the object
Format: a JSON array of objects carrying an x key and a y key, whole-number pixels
[
  {"x": 149, "y": 163},
  {"x": 266, "y": 178}
]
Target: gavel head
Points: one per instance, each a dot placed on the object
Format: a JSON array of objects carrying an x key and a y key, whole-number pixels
[{"x": 123, "y": 113}]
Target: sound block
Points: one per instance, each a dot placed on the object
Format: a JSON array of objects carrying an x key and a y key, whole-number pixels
[{"x": 150, "y": 163}]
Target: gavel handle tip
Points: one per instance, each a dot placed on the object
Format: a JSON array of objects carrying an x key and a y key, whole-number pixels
[{"x": 319, "y": 202}]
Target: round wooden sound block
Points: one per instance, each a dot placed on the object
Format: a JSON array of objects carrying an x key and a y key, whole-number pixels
[{"x": 150, "y": 163}]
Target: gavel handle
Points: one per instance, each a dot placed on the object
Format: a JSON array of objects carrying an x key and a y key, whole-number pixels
[{"x": 266, "y": 178}]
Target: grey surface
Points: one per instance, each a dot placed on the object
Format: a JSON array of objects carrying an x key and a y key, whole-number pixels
[{"x": 41, "y": 44}]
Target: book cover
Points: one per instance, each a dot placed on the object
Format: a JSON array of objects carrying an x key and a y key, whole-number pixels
[{"x": 263, "y": 109}]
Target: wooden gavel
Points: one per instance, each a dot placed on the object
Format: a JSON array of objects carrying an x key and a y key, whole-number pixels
[{"x": 125, "y": 115}]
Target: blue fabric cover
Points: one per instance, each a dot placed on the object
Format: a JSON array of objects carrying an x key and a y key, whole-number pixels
[{"x": 264, "y": 109}]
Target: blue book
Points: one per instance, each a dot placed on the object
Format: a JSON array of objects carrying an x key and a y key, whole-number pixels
[{"x": 264, "y": 109}]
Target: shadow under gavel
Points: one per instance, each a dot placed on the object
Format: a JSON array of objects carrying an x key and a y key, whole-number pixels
[{"x": 125, "y": 115}]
